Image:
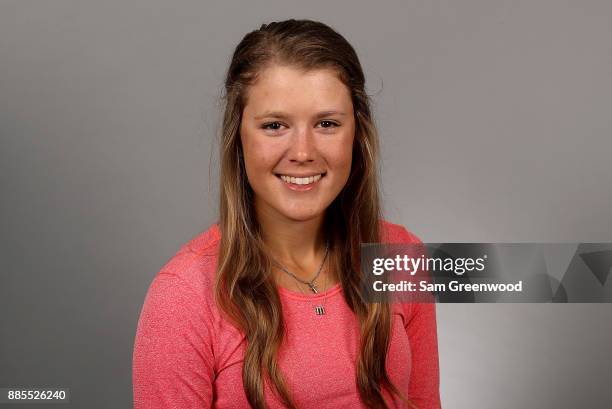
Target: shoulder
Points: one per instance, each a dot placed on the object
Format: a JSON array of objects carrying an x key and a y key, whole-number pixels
[
  {"x": 193, "y": 266},
  {"x": 178, "y": 324},
  {"x": 396, "y": 233},
  {"x": 205, "y": 240}
]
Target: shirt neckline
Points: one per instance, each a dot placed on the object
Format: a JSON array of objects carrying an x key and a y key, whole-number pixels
[{"x": 331, "y": 291}]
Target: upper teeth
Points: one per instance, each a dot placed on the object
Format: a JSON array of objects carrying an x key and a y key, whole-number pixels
[{"x": 301, "y": 181}]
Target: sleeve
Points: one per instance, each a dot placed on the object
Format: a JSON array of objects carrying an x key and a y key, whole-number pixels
[
  {"x": 424, "y": 386},
  {"x": 173, "y": 363}
]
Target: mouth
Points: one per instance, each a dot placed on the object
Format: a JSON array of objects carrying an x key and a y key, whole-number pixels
[{"x": 301, "y": 183}]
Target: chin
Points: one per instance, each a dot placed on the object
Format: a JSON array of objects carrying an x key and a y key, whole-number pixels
[{"x": 301, "y": 216}]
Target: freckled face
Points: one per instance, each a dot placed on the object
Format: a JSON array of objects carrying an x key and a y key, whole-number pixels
[{"x": 297, "y": 133}]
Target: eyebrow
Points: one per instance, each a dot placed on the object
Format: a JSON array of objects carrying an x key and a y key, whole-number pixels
[{"x": 282, "y": 115}]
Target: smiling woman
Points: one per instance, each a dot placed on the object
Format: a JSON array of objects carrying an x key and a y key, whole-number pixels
[
  {"x": 265, "y": 309},
  {"x": 306, "y": 144}
]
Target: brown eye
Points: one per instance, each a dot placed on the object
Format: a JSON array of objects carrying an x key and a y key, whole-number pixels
[
  {"x": 274, "y": 126},
  {"x": 330, "y": 124}
]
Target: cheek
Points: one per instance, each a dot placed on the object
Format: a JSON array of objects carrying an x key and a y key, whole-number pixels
[
  {"x": 259, "y": 158},
  {"x": 341, "y": 157}
]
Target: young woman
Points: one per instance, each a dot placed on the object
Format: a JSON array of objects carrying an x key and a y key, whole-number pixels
[{"x": 264, "y": 309}]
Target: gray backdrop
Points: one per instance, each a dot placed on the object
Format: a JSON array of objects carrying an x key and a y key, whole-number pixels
[{"x": 495, "y": 125}]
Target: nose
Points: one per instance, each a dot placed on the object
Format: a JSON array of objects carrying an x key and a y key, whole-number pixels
[{"x": 302, "y": 147}]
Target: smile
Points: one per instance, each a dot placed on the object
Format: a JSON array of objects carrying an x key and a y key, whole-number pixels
[{"x": 301, "y": 183}]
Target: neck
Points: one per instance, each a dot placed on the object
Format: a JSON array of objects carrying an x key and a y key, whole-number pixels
[{"x": 297, "y": 245}]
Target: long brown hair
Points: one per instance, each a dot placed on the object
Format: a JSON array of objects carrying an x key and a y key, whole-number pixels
[{"x": 244, "y": 288}]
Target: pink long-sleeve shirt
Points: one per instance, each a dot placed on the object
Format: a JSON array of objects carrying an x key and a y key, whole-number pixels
[{"x": 187, "y": 356}]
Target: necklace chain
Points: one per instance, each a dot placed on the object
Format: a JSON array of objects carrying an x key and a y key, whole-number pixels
[
  {"x": 319, "y": 309},
  {"x": 310, "y": 283}
]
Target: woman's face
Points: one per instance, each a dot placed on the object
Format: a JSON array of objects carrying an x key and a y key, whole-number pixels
[{"x": 297, "y": 133}]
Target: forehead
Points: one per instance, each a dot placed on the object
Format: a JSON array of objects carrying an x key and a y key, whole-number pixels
[{"x": 290, "y": 88}]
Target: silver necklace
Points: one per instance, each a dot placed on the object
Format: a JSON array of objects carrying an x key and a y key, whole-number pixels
[
  {"x": 310, "y": 283},
  {"x": 318, "y": 309}
]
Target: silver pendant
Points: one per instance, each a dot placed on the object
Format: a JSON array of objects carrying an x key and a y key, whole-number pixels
[
  {"x": 313, "y": 287},
  {"x": 319, "y": 310}
]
